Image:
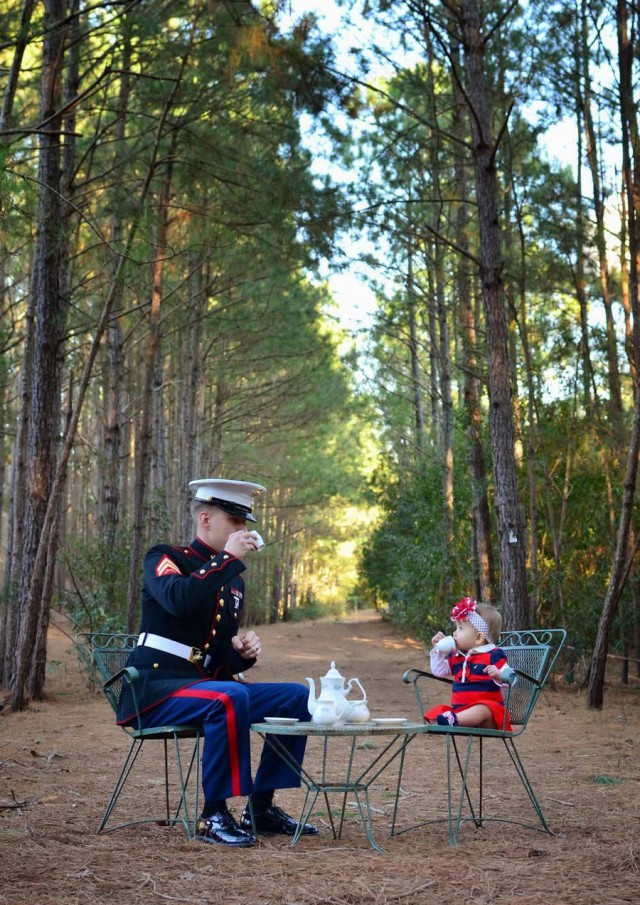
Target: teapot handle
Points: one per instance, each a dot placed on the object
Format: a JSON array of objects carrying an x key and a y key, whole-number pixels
[{"x": 359, "y": 684}]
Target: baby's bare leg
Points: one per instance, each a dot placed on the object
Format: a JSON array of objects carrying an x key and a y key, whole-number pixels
[{"x": 479, "y": 715}]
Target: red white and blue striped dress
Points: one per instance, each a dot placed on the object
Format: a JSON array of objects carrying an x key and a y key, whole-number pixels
[{"x": 471, "y": 684}]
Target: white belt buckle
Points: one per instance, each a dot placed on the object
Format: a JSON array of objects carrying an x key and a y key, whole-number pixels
[{"x": 196, "y": 655}]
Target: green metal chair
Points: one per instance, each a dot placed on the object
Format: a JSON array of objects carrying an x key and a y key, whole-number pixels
[
  {"x": 532, "y": 655},
  {"x": 109, "y": 652}
]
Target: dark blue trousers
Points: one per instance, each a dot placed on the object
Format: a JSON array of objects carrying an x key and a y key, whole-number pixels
[{"x": 226, "y": 711}]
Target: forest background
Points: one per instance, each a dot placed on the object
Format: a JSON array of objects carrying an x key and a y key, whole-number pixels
[{"x": 178, "y": 182}]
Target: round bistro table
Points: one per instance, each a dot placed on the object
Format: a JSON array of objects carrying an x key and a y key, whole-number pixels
[{"x": 342, "y": 775}]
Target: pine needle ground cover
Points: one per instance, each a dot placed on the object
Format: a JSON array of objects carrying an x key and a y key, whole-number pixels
[{"x": 59, "y": 760}]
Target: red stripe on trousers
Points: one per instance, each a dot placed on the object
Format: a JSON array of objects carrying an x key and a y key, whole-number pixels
[{"x": 230, "y": 714}]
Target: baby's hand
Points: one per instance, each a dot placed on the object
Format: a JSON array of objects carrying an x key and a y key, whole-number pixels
[
  {"x": 437, "y": 638},
  {"x": 493, "y": 671}
]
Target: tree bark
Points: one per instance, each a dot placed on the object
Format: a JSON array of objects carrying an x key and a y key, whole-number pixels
[
  {"x": 36, "y": 677},
  {"x": 613, "y": 371},
  {"x": 631, "y": 169},
  {"x": 588, "y": 383},
  {"x": 444, "y": 353},
  {"x": 50, "y": 304},
  {"x": 510, "y": 516},
  {"x": 15, "y": 522},
  {"x": 111, "y": 491},
  {"x": 144, "y": 434},
  {"x": 624, "y": 285},
  {"x": 483, "y": 569},
  {"x": 521, "y": 319},
  {"x": 416, "y": 377},
  {"x": 191, "y": 381}
]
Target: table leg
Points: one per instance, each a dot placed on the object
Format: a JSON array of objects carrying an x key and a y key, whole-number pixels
[
  {"x": 358, "y": 785},
  {"x": 311, "y": 785}
]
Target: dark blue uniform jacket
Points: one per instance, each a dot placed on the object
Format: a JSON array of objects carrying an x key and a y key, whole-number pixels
[{"x": 193, "y": 595}]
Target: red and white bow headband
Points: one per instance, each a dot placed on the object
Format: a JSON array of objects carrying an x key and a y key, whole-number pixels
[{"x": 465, "y": 609}]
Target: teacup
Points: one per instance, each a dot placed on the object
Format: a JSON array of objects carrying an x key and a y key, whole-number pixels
[
  {"x": 258, "y": 539},
  {"x": 446, "y": 645}
]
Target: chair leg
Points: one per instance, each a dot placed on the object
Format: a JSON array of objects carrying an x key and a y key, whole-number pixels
[
  {"x": 463, "y": 771},
  {"x": 166, "y": 779},
  {"x": 132, "y": 755},
  {"x": 524, "y": 779},
  {"x": 181, "y": 814},
  {"x": 183, "y": 807}
]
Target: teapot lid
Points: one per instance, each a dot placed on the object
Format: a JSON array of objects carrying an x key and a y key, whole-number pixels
[{"x": 332, "y": 672}]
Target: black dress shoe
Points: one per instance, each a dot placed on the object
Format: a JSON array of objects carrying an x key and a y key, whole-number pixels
[
  {"x": 274, "y": 822},
  {"x": 222, "y": 828}
]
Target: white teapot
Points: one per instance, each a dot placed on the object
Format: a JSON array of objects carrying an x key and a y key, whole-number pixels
[{"x": 333, "y": 688}]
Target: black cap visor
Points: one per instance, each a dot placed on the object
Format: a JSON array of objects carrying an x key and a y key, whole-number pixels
[{"x": 232, "y": 508}]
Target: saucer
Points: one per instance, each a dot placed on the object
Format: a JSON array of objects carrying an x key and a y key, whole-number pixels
[
  {"x": 282, "y": 720},
  {"x": 390, "y": 721}
]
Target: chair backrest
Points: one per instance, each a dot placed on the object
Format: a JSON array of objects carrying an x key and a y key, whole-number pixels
[
  {"x": 534, "y": 652},
  {"x": 110, "y": 652}
]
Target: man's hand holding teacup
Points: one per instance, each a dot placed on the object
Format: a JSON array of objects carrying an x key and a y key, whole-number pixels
[{"x": 239, "y": 543}]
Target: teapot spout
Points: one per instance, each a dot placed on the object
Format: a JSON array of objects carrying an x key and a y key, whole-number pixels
[{"x": 312, "y": 702}]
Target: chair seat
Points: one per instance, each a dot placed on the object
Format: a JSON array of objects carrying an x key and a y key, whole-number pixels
[
  {"x": 162, "y": 732},
  {"x": 470, "y": 730}
]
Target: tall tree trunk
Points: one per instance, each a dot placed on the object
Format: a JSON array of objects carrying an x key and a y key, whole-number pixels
[
  {"x": 159, "y": 477},
  {"x": 36, "y": 677},
  {"x": 615, "y": 396},
  {"x": 510, "y": 516},
  {"x": 51, "y": 306},
  {"x": 624, "y": 285},
  {"x": 276, "y": 575},
  {"x": 484, "y": 575},
  {"x": 444, "y": 353},
  {"x": 447, "y": 407},
  {"x": 532, "y": 450},
  {"x": 214, "y": 452},
  {"x": 434, "y": 370},
  {"x": 416, "y": 377},
  {"x": 112, "y": 438},
  {"x": 190, "y": 388},
  {"x": 631, "y": 169},
  {"x": 15, "y": 524},
  {"x": 15, "y": 543},
  {"x": 588, "y": 382},
  {"x": 144, "y": 434},
  {"x": 111, "y": 491}
]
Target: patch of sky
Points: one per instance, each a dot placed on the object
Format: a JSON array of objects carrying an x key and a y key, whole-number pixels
[
  {"x": 356, "y": 285},
  {"x": 348, "y": 275}
]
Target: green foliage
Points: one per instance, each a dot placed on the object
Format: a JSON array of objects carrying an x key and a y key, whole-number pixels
[
  {"x": 97, "y": 598},
  {"x": 407, "y": 564},
  {"x": 313, "y": 609},
  {"x": 571, "y": 593}
]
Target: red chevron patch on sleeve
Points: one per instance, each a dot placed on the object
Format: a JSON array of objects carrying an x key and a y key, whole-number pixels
[{"x": 167, "y": 566}]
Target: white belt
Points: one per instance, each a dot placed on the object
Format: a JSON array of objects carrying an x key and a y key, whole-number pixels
[{"x": 193, "y": 654}]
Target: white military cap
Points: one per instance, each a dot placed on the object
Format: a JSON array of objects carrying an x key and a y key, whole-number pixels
[{"x": 234, "y": 497}]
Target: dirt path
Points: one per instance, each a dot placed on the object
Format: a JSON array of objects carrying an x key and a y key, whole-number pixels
[{"x": 59, "y": 761}]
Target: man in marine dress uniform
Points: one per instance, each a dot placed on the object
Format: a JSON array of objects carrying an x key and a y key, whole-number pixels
[{"x": 191, "y": 648}]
